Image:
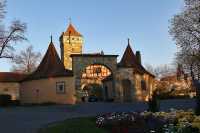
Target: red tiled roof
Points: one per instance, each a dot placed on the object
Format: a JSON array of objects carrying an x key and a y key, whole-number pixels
[
  {"x": 11, "y": 76},
  {"x": 50, "y": 66},
  {"x": 71, "y": 31},
  {"x": 129, "y": 60}
]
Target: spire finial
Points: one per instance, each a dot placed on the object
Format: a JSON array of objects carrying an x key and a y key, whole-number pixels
[
  {"x": 128, "y": 41},
  {"x": 51, "y": 39}
]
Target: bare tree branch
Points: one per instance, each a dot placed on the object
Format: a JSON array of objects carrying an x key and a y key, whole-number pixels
[
  {"x": 185, "y": 30},
  {"x": 26, "y": 61},
  {"x": 14, "y": 33}
]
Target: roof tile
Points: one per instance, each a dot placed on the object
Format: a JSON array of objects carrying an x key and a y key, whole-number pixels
[
  {"x": 11, "y": 76},
  {"x": 71, "y": 31},
  {"x": 50, "y": 66},
  {"x": 129, "y": 60}
]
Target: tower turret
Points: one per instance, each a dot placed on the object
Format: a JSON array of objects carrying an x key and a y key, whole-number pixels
[{"x": 71, "y": 42}]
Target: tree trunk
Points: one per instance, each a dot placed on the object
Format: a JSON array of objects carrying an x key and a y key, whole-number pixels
[{"x": 191, "y": 72}]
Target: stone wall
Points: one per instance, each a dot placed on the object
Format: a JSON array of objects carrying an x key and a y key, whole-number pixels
[
  {"x": 70, "y": 45},
  {"x": 110, "y": 90},
  {"x": 124, "y": 74},
  {"x": 11, "y": 88},
  {"x": 44, "y": 90},
  {"x": 81, "y": 62},
  {"x": 137, "y": 93}
]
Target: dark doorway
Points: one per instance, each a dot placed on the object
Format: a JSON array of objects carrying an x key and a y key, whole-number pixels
[
  {"x": 106, "y": 93},
  {"x": 126, "y": 84},
  {"x": 94, "y": 91}
]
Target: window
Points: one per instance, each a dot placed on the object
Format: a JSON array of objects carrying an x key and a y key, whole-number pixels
[
  {"x": 143, "y": 85},
  {"x": 60, "y": 87}
]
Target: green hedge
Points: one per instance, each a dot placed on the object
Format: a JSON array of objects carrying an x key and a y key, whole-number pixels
[{"x": 5, "y": 100}]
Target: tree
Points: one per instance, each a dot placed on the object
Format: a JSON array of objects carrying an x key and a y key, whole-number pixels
[
  {"x": 9, "y": 36},
  {"x": 185, "y": 30},
  {"x": 150, "y": 68},
  {"x": 161, "y": 70},
  {"x": 153, "y": 103},
  {"x": 26, "y": 61}
]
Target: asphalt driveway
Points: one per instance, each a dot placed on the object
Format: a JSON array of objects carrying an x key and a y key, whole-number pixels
[{"x": 30, "y": 119}]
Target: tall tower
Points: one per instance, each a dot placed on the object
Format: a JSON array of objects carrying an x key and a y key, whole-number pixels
[{"x": 71, "y": 42}]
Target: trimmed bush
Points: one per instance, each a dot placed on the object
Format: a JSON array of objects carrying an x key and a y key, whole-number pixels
[{"x": 5, "y": 99}]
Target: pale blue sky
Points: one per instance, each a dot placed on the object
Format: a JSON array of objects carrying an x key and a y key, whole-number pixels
[{"x": 105, "y": 25}]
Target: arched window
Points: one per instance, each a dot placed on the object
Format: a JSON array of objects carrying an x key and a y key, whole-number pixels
[{"x": 143, "y": 85}]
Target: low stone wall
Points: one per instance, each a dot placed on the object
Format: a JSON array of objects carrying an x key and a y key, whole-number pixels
[{"x": 11, "y": 88}]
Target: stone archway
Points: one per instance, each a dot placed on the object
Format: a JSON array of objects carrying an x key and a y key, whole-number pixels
[
  {"x": 94, "y": 90},
  {"x": 127, "y": 92},
  {"x": 91, "y": 81},
  {"x": 81, "y": 61}
]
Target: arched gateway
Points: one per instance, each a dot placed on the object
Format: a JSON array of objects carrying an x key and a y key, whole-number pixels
[{"x": 92, "y": 69}]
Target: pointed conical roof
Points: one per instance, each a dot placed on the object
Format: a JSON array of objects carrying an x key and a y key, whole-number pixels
[
  {"x": 71, "y": 31},
  {"x": 50, "y": 66},
  {"x": 129, "y": 60}
]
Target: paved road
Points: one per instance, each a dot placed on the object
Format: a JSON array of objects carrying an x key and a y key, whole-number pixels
[{"x": 30, "y": 119}]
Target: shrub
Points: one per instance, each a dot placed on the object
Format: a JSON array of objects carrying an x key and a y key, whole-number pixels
[
  {"x": 197, "y": 86},
  {"x": 129, "y": 122},
  {"x": 15, "y": 103},
  {"x": 154, "y": 103},
  {"x": 197, "y": 109},
  {"x": 5, "y": 99}
]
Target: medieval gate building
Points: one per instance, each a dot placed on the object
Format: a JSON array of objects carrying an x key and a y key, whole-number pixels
[
  {"x": 92, "y": 69},
  {"x": 60, "y": 80}
]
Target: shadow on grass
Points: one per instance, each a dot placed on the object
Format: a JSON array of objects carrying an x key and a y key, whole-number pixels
[{"x": 75, "y": 125}]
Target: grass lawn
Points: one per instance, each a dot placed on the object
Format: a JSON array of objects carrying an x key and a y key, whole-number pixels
[{"x": 76, "y": 125}]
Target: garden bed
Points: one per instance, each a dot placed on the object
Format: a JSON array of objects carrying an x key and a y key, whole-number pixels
[{"x": 174, "y": 121}]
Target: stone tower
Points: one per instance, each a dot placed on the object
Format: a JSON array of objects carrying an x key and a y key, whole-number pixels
[{"x": 71, "y": 42}]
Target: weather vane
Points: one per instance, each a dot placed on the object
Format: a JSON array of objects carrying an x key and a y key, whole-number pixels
[
  {"x": 128, "y": 41},
  {"x": 70, "y": 20},
  {"x": 51, "y": 38}
]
